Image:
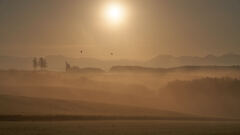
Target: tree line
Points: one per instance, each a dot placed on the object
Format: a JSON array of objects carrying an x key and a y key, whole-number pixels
[{"x": 40, "y": 63}]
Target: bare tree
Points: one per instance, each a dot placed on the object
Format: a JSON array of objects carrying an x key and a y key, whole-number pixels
[
  {"x": 42, "y": 63},
  {"x": 68, "y": 66},
  {"x": 35, "y": 63}
]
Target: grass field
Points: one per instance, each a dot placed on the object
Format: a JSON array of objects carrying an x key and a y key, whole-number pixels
[
  {"x": 121, "y": 128},
  {"x": 57, "y": 103}
]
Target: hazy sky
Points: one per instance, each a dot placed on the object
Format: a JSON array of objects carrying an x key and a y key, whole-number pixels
[{"x": 150, "y": 27}]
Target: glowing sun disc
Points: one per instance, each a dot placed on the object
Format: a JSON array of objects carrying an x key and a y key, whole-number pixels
[{"x": 114, "y": 13}]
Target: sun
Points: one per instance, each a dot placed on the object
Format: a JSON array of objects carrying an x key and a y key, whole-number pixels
[{"x": 114, "y": 13}]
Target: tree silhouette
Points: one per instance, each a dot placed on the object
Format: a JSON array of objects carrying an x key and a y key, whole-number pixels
[
  {"x": 35, "y": 63},
  {"x": 68, "y": 66},
  {"x": 42, "y": 63}
]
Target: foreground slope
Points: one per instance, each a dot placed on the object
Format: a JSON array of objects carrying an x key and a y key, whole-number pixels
[{"x": 18, "y": 105}]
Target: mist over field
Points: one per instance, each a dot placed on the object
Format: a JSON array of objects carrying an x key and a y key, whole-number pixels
[
  {"x": 202, "y": 91},
  {"x": 123, "y": 100},
  {"x": 119, "y": 67}
]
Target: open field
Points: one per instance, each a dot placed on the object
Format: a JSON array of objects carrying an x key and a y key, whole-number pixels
[
  {"x": 120, "y": 103},
  {"x": 119, "y": 127},
  {"x": 215, "y": 93}
]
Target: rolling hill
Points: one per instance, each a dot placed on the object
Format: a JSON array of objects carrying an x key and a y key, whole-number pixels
[{"x": 19, "y": 105}]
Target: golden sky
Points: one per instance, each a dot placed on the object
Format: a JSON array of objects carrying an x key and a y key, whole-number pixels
[{"x": 147, "y": 28}]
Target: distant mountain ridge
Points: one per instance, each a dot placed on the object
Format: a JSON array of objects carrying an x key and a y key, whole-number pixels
[
  {"x": 173, "y": 69},
  {"x": 171, "y": 61},
  {"x": 57, "y": 62}
]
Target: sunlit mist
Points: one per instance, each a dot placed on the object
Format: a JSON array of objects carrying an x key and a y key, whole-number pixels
[{"x": 122, "y": 67}]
